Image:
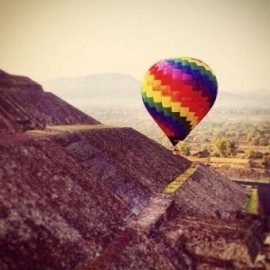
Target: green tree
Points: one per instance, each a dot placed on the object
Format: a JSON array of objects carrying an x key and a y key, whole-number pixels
[
  {"x": 224, "y": 147},
  {"x": 183, "y": 148},
  {"x": 255, "y": 140},
  {"x": 253, "y": 154},
  {"x": 205, "y": 150}
]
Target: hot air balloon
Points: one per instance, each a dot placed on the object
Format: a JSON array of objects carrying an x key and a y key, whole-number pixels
[{"x": 178, "y": 93}]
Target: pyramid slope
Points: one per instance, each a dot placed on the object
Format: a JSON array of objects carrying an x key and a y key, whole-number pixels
[
  {"x": 97, "y": 197},
  {"x": 24, "y": 105}
]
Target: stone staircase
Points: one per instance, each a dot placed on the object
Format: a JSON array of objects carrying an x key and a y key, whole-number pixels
[{"x": 153, "y": 211}]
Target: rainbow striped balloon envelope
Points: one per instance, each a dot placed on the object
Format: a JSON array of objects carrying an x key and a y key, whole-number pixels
[{"x": 178, "y": 93}]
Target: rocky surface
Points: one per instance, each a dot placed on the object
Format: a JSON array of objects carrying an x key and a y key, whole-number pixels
[
  {"x": 47, "y": 200},
  {"x": 207, "y": 193},
  {"x": 132, "y": 250},
  {"x": 24, "y": 105},
  {"x": 231, "y": 243},
  {"x": 139, "y": 167},
  {"x": 92, "y": 197}
]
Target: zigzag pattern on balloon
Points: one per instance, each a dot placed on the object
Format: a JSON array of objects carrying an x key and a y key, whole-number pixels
[{"x": 178, "y": 93}]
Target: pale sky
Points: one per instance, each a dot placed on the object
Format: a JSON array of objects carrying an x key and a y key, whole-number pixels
[{"x": 45, "y": 39}]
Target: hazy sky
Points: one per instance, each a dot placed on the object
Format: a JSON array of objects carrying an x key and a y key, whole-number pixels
[{"x": 44, "y": 39}]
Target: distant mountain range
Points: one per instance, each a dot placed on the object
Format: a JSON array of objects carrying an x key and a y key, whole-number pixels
[
  {"x": 98, "y": 90},
  {"x": 113, "y": 89}
]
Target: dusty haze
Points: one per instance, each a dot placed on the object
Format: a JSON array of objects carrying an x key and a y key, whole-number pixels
[{"x": 48, "y": 39}]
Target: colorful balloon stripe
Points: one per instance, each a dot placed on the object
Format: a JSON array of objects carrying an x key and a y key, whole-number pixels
[{"x": 178, "y": 93}]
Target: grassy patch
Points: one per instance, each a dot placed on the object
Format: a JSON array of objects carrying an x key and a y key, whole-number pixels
[
  {"x": 50, "y": 130},
  {"x": 252, "y": 204},
  {"x": 178, "y": 181},
  {"x": 70, "y": 127},
  {"x": 37, "y": 132}
]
